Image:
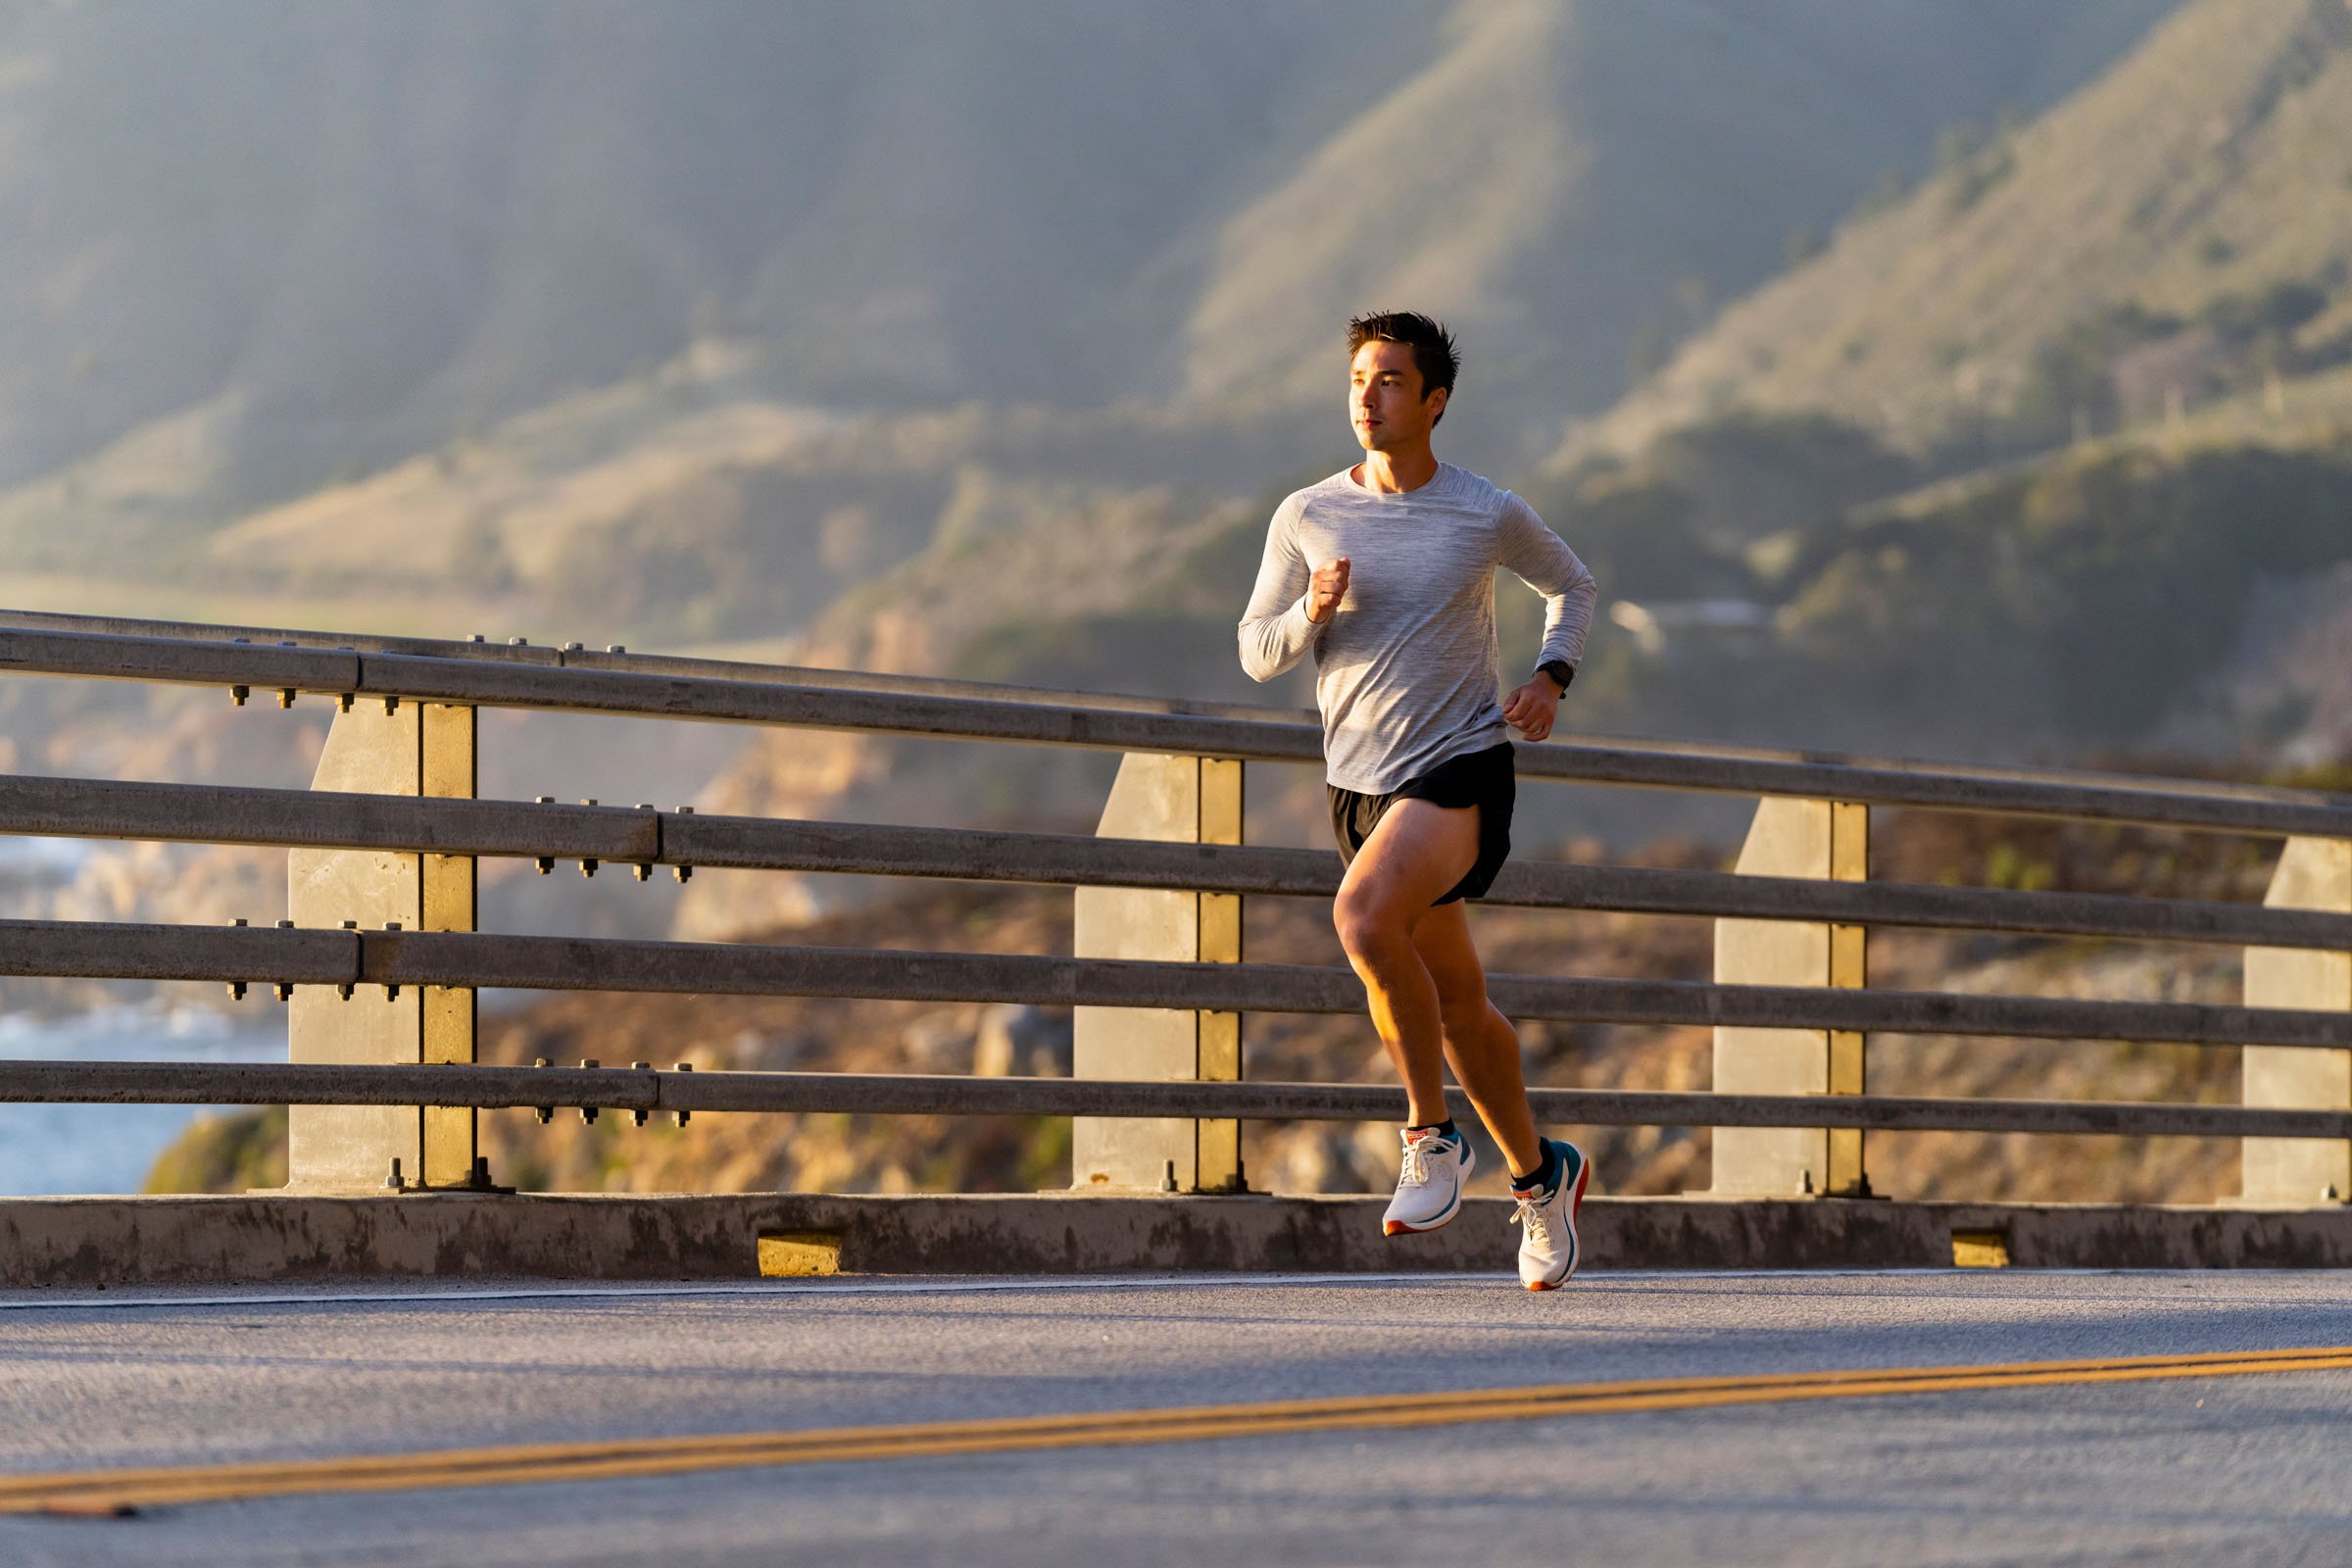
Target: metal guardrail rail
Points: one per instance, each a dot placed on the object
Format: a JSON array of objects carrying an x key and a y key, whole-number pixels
[
  {"x": 641, "y": 836},
  {"x": 616, "y": 657},
  {"x": 93, "y": 950},
  {"x": 652, "y": 1091},
  {"x": 392, "y": 671},
  {"x": 585, "y": 688}
]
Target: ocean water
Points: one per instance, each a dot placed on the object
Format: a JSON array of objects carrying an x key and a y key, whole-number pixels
[{"x": 108, "y": 1148}]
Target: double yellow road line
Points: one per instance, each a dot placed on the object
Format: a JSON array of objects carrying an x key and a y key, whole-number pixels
[{"x": 115, "y": 1491}]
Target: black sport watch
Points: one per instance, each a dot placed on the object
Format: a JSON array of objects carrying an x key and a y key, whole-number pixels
[{"x": 1560, "y": 670}]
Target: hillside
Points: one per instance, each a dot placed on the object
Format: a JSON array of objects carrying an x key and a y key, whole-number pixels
[
  {"x": 1575, "y": 177},
  {"x": 2178, "y": 230},
  {"x": 2162, "y": 591},
  {"x": 265, "y": 249},
  {"x": 686, "y": 505}
]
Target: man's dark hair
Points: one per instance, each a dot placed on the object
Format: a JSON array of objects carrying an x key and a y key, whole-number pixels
[{"x": 1433, "y": 352}]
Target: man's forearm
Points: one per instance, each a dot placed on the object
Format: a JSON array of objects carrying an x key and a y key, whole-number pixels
[{"x": 1272, "y": 644}]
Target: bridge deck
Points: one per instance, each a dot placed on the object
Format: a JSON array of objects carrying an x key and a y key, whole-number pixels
[{"x": 2090, "y": 1469}]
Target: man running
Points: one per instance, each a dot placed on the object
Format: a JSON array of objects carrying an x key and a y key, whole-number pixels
[{"x": 1386, "y": 572}]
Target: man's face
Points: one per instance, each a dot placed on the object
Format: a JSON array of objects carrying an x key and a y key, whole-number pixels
[{"x": 1384, "y": 401}]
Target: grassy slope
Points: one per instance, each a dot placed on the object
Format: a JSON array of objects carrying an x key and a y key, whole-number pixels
[
  {"x": 414, "y": 229},
  {"x": 1573, "y": 175},
  {"x": 2098, "y": 598},
  {"x": 2210, "y": 165}
]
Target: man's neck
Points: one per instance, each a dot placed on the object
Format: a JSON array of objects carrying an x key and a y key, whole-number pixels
[{"x": 1392, "y": 473}]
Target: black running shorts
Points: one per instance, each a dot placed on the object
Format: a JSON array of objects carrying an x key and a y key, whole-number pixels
[{"x": 1481, "y": 779}]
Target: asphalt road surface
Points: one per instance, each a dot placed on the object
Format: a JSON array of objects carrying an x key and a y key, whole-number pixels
[{"x": 984, "y": 1422}]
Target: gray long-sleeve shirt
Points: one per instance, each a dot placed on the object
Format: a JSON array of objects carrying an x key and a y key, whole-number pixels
[{"x": 1406, "y": 668}]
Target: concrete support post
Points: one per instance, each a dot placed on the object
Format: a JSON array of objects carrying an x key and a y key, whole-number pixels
[
  {"x": 2301, "y": 1172},
  {"x": 1190, "y": 800},
  {"x": 1829, "y": 839},
  {"x": 406, "y": 748}
]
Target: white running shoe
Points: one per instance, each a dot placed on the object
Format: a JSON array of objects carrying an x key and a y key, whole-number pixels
[
  {"x": 1548, "y": 1249},
  {"x": 1429, "y": 1189}
]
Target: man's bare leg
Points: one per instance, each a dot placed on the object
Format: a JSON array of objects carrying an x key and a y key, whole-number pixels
[
  {"x": 1417, "y": 852},
  {"x": 1480, "y": 1041}
]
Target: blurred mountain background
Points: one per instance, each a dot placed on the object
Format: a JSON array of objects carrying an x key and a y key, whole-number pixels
[{"x": 1959, "y": 377}]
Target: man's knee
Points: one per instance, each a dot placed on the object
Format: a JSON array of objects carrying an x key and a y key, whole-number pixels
[{"x": 1371, "y": 928}]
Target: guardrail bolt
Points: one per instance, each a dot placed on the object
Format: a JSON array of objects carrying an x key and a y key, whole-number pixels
[
  {"x": 1168, "y": 1180},
  {"x": 476, "y": 637},
  {"x": 615, "y": 648},
  {"x": 588, "y": 1112},
  {"x": 588, "y": 866},
  {"x": 285, "y": 697},
  {"x": 236, "y": 988},
  {"x": 684, "y": 1066},
  {"x": 1805, "y": 1185},
  {"x": 238, "y": 694},
  {"x": 344, "y": 990},
  {"x": 391, "y": 705},
  {"x": 395, "y": 1181},
  {"x": 644, "y": 869},
  {"x": 2327, "y": 1194},
  {"x": 343, "y": 701},
  {"x": 545, "y": 862},
  {"x": 285, "y": 990},
  {"x": 638, "y": 1115},
  {"x": 391, "y": 993},
  {"x": 684, "y": 873},
  {"x": 544, "y": 1113},
  {"x": 518, "y": 642},
  {"x": 479, "y": 1179},
  {"x": 575, "y": 648}
]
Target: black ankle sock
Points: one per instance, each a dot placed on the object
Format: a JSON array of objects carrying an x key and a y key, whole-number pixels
[
  {"x": 1444, "y": 1129},
  {"x": 1545, "y": 1176}
]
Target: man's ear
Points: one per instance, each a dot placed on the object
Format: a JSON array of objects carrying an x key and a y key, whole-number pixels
[{"x": 1437, "y": 402}]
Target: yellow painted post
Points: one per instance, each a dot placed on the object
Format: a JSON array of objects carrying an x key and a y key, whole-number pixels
[
  {"x": 1186, "y": 800},
  {"x": 1849, "y": 969},
  {"x": 403, "y": 749},
  {"x": 2301, "y": 1172},
  {"x": 1793, "y": 838},
  {"x": 449, "y": 769},
  {"x": 1218, "y": 1160}
]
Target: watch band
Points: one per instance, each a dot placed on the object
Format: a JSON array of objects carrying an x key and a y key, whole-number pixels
[{"x": 1560, "y": 670}]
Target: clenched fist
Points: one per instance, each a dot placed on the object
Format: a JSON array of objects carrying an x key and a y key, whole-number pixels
[
  {"x": 1326, "y": 589},
  {"x": 1533, "y": 708}
]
